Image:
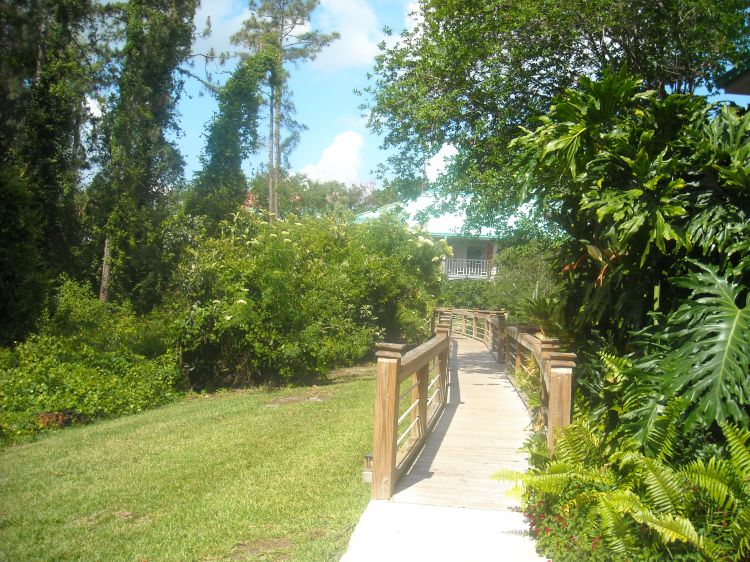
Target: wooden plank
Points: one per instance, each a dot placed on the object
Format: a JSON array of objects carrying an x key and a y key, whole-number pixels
[{"x": 481, "y": 430}]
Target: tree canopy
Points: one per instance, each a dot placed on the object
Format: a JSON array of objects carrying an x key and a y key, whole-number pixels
[{"x": 471, "y": 72}]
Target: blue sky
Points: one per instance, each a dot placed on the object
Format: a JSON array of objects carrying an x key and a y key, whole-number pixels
[{"x": 336, "y": 145}]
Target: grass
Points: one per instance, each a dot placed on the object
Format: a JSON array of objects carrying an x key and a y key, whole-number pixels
[{"x": 253, "y": 475}]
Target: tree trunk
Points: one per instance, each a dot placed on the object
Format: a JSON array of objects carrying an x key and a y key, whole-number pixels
[
  {"x": 271, "y": 107},
  {"x": 104, "y": 286},
  {"x": 277, "y": 148}
]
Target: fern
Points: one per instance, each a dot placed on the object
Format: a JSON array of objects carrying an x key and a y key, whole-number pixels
[
  {"x": 664, "y": 487},
  {"x": 737, "y": 440},
  {"x": 614, "y": 366},
  {"x": 715, "y": 478}
]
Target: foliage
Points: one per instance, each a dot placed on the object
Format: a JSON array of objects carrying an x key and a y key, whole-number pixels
[
  {"x": 128, "y": 196},
  {"x": 593, "y": 495},
  {"x": 468, "y": 73},
  {"x": 22, "y": 282},
  {"x": 221, "y": 186},
  {"x": 302, "y": 196},
  {"x": 638, "y": 183},
  {"x": 282, "y": 301},
  {"x": 90, "y": 360}
]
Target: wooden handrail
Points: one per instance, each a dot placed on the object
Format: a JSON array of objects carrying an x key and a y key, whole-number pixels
[
  {"x": 394, "y": 367},
  {"x": 511, "y": 343}
]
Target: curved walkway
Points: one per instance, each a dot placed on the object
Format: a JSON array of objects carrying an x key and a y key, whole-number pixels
[{"x": 447, "y": 507}]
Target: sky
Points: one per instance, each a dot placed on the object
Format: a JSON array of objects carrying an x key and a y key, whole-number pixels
[{"x": 336, "y": 144}]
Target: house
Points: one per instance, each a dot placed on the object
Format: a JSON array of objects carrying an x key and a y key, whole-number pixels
[
  {"x": 737, "y": 80},
  {"x": 473, "y": 254}
]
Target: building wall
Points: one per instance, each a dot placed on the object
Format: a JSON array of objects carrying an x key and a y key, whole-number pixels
[{"x": 472, "y": 248}]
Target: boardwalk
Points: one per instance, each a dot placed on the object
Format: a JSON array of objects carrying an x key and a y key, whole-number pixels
[{"x": 447, "y": 507}]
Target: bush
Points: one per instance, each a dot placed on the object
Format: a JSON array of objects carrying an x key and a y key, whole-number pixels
[
  {"x": 90, "y": 360},
  {"x": 279, "y": 302}
]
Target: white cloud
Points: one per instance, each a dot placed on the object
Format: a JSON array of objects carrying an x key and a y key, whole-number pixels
[
  {"x": 438, "y": 163},
  {"x": 358, "y": 26},
  {"x": 413, "y": 16},
  {"x": 340, "y": 161},
  {"x": 226, "y": 20},
  {"x": 94, "y": 107}
]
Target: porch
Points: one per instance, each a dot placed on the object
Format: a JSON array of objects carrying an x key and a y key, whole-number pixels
[{"x": 456, "y": 268}]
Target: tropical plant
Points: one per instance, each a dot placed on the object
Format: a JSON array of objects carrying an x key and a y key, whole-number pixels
[{"x": 637, "y": 506}]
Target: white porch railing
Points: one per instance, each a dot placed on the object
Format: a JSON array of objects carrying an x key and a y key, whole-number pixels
[{"x": 473, "y": 269}]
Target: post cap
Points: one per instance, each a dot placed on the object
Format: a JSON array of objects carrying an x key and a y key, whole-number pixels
[{"x": 392, "y": 350}]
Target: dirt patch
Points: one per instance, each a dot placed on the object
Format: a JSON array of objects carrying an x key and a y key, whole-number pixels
[
  {"x": 91, "y": 519},
  {"x": 272, "y": 549},
  {"x": 352, "y": 372},
  {"x": 296, "y": 399}
]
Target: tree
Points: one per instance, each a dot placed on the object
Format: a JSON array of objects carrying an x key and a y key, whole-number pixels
[
  {"x": 142, "y": 165},
  {"x": 280, "y": 27},
  {"x": 472, "y": 72},
  {"x": 299, "y": 195},
  {"x": 50, "y": 63},
  {"x": 221, "y": 186}
]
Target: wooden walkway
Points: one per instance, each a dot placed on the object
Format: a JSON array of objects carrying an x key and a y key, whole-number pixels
[{"x": 447, "y": 506}]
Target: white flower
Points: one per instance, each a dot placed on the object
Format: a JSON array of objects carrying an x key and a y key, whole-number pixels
[
  {"x": 241, "y": 301},
  {"x": 287, "y": 240},
  {"x": 227, "y": 317},
  {"x": 272, "y": 235}
]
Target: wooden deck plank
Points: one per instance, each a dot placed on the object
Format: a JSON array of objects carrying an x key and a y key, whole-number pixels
[
  {"x": 480, "y": 432},
  {"x": 449, "y": 489}
]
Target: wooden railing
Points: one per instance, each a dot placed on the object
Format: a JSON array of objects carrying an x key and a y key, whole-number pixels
[
  {"x": 409, "y": 400},
  {"x": 514, "y": 345}
]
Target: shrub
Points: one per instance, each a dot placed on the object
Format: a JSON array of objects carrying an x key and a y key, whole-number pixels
[
  {"x": 90, "y": 360},
  {"x": 282, "y": 301}
]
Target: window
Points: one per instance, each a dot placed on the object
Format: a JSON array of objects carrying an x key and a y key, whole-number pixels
[{"x": 475, "y": 252}]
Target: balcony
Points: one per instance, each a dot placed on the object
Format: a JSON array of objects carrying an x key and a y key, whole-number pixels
[{"x": 468, "y": 269}]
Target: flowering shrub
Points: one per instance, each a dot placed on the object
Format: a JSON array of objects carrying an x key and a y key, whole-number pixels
[{"x": 282, "y": 301}]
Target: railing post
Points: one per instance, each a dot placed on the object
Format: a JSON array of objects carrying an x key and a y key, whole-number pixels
[
  {"x": 501, "y": 336},
  {"x": 474, "y": 323},
  {"x": 560, "y": 399},
  {"x": 442, "y": 364},
  {"x": 386, "y": 418}
]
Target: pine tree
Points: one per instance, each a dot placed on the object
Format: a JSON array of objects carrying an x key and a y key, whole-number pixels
[{"x": 280, "y": 27}]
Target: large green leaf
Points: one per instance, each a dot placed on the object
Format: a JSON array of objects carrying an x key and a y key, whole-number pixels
[{"x": 709, "y": 366}]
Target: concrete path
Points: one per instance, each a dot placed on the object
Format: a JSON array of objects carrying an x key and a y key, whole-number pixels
[{"x": 447, "y": 507}]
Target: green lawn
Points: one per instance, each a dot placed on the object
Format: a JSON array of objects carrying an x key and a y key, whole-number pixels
[{"x": 255, "y": 475}]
